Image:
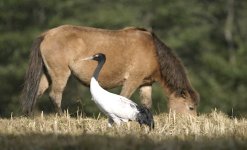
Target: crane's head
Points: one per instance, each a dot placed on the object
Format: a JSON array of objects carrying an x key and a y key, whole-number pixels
[{"x": 97, "y": 57}]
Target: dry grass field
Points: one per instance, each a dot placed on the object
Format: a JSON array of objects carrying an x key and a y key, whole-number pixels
[{"x": 211, "y": 131}]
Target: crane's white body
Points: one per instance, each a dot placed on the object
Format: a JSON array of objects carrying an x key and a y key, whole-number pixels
[{"x": 116, "y": 107}]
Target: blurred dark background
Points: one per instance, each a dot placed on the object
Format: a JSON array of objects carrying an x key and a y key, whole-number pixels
[{"x": 209, "y": 36}]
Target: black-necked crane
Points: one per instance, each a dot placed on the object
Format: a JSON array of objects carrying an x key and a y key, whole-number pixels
[{"x": 117, "y": 108}]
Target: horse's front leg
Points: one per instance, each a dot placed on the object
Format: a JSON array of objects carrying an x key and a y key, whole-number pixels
[
  {"x": 129, "y": 86},
  {"x": 146, "y": 95}
]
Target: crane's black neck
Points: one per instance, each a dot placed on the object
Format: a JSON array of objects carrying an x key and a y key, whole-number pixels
[{"x": 101, "y": 62}]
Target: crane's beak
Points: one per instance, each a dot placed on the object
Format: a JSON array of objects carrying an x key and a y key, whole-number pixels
[{"x": 87, "y": 58}]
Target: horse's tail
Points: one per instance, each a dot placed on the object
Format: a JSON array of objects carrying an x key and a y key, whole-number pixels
[
  {"x": 145, "y": 117},
  {"x": 32, "y": 78}
]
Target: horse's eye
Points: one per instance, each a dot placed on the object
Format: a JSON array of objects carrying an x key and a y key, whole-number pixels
[{"x": 191, "y": 108}]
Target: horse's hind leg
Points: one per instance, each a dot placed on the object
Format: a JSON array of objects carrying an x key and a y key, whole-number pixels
[
  {"x": 59, "y": 81},
  {"x": 146, "y": 95},
  {"x": 43, "y": 85}
]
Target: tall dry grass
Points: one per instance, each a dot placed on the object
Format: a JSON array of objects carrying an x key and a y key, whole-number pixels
[{"x": 210, "y": 131}]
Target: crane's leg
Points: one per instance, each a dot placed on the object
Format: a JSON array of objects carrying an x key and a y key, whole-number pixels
[
  {"x": 113, "y": 119},
  {"x": 117, "y": 121},
  {"x": 125, "y": 120},
  {"x": 146, "y": 95},
  {"x": 110, "y": 122}
]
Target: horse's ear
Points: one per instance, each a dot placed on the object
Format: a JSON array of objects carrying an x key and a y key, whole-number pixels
[{"x": 181, "y": 93}]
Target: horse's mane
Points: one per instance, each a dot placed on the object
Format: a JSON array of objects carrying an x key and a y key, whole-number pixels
[
  {"x": 172, "y": 69},
  {"x": 135, "y": 28}
]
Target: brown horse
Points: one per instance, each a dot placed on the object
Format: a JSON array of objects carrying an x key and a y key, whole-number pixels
[{"x": 136, "y": 59}]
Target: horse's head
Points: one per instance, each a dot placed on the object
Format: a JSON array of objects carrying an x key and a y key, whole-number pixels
[{"x": 184, "y": 102}]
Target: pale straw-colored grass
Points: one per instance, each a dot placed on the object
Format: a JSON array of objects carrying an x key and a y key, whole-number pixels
[{"x": 172, "y": 131}]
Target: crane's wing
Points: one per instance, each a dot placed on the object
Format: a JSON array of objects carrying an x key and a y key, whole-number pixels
[
  {"x": 113, "y": 104},
  {"x": 123, "y": 107}
]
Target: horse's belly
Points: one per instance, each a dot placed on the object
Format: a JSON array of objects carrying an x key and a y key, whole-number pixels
[
  {"x": 106, "y": 79},
  {"x": 111, "y": 81}
]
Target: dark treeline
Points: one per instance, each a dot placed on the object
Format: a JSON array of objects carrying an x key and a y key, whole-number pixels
[{"x": 209, "y": 36}]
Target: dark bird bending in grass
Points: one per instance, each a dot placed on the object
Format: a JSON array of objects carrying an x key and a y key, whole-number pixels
[{"x": 116, "y": 107}]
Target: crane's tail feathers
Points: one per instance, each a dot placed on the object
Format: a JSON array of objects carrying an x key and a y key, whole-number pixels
[{"x": 145, "y": 117}]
